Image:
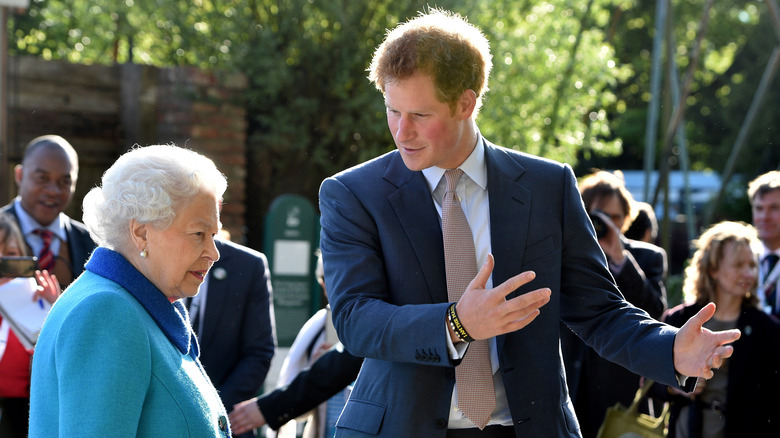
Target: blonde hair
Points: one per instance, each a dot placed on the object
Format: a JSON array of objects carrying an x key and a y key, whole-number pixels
[{"x": 699, "y": 286}]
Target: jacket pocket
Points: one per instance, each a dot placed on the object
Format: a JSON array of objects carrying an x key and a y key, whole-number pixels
[
  {"x": 363, "y": 416},
  {"x": 539, "y": 249}
]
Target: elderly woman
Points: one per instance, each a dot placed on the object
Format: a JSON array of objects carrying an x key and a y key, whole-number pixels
[
  {"x": 743, "y": 396},
  {"x": 116, "y": 355}
]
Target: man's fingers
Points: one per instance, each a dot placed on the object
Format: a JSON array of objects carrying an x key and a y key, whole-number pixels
[
  {"x": 521, "y": 323},
  {"x": 513, "y": 283},
  {"x": 727, "y": 337},
  {"x": 521, "y": 306}
]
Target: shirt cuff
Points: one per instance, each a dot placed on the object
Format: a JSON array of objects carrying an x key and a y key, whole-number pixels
[{"x": 456, "y": 350}]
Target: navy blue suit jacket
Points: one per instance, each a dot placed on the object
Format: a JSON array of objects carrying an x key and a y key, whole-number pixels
[
  {"x": 384, "y": 268},
  {"x": 238, "y": 336}
]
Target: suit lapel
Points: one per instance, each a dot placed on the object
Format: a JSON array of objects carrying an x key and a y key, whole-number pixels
[
  {"x": 417, "y": 214},
  {"x": 510, "y": 209}
]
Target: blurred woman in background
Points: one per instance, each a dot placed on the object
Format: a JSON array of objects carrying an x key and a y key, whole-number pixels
[{"x": 743, "y": 397}]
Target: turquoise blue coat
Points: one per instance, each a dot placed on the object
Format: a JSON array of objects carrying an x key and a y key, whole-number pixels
[{"x": 116, "y": 358}]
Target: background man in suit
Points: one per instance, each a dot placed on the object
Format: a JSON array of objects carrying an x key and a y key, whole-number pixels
[
  {"x": 764, "y": 195},
  {"x": 235, "y": 327},
  {"x": 384, "y": 253},
  {"x": 46, "y": 179}
]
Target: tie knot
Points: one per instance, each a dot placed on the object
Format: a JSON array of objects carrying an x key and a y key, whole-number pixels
[
  {"x": 45, "y": 234},
  {"x": 452, "y": 176}
]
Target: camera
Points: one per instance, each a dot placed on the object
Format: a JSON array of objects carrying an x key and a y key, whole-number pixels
[{"x": 601, "y": 227}]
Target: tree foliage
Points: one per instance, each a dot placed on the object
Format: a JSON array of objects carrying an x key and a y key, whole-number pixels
[
  {"x": 553, "y": 76},
  {"x": 570, "y": 78},
  {"x": 738, "y": 41}
]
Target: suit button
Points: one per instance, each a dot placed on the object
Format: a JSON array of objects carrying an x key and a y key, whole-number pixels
[{"x": 441, "y": 423}]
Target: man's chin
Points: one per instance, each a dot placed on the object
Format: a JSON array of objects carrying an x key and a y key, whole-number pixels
[
  {"x": 46, "y": 217},
  {"x": 413, "y": 164}
]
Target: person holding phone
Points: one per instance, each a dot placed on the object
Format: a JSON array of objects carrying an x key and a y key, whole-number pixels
[
  {"x": 639, "y": 270},
  {"x": 14, "y": 358}
]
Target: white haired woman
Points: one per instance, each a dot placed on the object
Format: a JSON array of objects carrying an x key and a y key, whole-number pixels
[{"x": 116, "y": 355}]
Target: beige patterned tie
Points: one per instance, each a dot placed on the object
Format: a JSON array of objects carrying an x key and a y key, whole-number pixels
[{"x": 474, "y": 375}]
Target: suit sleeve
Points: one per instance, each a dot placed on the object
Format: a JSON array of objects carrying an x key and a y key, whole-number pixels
[
  {"x": 373, "y": 321},
  {"x": 258, "y": 341},
  {"x": 592, "y": 306},
  {"x": 328, "y": 375}
]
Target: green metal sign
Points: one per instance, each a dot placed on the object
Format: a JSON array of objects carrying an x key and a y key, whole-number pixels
[{"x": 291, "y": 241}]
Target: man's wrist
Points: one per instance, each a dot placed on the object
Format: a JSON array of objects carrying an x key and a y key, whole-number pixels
[{"x": 456, "y": 325}]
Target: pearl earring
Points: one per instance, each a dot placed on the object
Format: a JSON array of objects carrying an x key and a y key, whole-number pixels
[{"x": 143, "y": 254}]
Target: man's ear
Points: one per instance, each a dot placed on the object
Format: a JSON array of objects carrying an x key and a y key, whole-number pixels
[
  {"x": 467, "y": 103},
  {"x": 18, "y": 174},
  {"x": 138, "y": 234}
]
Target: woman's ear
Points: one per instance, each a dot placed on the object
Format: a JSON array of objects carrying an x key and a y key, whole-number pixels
[{"x": 138, "y": 234}]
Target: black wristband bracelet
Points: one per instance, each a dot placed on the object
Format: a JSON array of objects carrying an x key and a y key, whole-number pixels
[{"x": 457, "y": 327}]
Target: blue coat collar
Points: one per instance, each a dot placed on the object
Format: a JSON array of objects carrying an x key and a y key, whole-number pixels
[{"x": 172, "y": 319}]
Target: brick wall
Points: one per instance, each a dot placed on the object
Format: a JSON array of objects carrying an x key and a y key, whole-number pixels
[{"x": 105, "y": 110}]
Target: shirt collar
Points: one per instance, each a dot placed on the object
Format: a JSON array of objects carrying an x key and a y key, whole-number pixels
[
  {"x": 474, "y": 167},
  {"x": 768, "y": 251},
  {"x": 27, "y": 224},
  {"x": 172, "y": 318}
]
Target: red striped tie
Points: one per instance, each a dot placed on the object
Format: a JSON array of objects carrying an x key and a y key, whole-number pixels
[{"x": 46, "y": 257}]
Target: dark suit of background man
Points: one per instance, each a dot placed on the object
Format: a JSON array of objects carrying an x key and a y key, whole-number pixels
[
  {"x": 764, "y": 195},
  {"x": 383, "y": 250},
  {"x": 46, "y": 180},
  {"x": 236, "y": 328}
]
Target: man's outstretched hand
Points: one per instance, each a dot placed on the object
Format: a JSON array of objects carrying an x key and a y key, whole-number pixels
[{"x": 697, "y": 350}]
